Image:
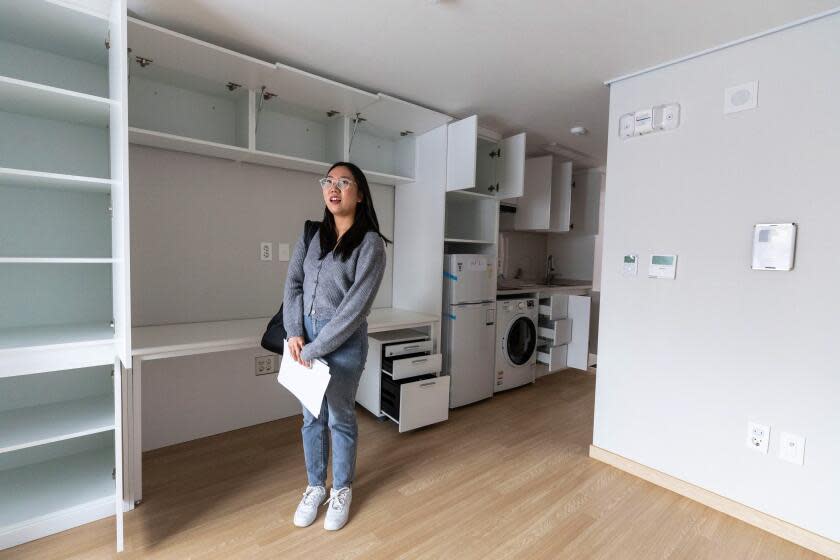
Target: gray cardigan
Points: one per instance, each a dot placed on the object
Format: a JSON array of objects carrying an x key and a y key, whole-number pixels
[{"x": 340, "y": 293}]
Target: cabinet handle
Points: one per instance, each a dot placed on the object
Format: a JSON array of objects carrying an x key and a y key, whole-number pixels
[
  {"x": 420, "y": 361},
  {"x": 428, "y": 384},
  {"x": 411, "y": 347}
]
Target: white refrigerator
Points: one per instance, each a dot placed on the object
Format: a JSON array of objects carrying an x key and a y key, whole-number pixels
[{"x": 469, "y": 327}]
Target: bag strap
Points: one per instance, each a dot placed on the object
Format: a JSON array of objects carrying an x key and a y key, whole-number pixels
[{"x": 310, "y": 228}]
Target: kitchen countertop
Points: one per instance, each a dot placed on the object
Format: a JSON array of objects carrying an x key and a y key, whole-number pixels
[{"x": 543, "y": 289}]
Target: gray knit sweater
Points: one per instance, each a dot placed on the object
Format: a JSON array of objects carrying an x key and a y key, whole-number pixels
[{"x": 340, "y": 293}]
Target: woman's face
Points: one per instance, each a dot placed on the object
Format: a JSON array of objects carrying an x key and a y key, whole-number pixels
[{"x": 342, "y": 201}]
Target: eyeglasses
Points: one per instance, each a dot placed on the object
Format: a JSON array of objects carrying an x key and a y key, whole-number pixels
[{"x": 341, "y": 184}]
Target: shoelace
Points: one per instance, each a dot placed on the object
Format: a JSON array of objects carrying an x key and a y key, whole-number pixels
[
  {"x": 308, "y": 495},
  {"x": 337, "y": 500}
]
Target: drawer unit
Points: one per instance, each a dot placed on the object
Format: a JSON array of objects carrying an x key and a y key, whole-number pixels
[
  {"x": 411, "y": 366},
  {"x": 554, "y": 307},
  {"x": 401, "y": 380},
  {"x": 417, "y": 402},
  {"x": 556, "y": 332},
  {"x": 554, "y": 357}
]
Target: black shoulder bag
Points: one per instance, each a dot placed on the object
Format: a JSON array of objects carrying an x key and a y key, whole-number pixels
[{"x": 275, "y": 332}]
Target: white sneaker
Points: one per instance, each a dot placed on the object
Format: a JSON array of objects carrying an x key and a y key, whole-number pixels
[
  {"x": 307, "y": 509},
  {"x": 338, "y": 508}
]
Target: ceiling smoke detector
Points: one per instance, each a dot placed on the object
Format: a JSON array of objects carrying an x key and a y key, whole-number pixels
[{"x": 579, "y": 130}]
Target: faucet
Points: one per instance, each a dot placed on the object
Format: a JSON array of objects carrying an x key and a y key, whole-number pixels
[{"x": 549, "y": 270}]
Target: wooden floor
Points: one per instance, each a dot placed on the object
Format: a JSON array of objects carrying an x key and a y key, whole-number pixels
[{"x": 505, "y": 478}]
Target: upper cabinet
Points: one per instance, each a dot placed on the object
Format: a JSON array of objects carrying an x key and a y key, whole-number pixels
[
  {"x": 482, "y": 163},
  {"x": 188, "y": 95},
  {"x": 586, "y": 201},
  {"x": 382, "y": 137},
  {"x": 546, "y": 204}
]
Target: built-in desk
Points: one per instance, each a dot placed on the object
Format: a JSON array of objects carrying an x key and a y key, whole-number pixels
[{"x": 187, "y": 339}]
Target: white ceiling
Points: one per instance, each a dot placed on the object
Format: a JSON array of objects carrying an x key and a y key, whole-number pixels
[{"x": 533, "y": 65}]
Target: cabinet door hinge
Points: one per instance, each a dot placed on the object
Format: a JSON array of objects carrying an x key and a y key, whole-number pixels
[
  {"x": 497, "y": 153},
  {"x": 108, "y": 41},
  {"x": 114, "y": 473},
  {"x": 112, "y": 323}
]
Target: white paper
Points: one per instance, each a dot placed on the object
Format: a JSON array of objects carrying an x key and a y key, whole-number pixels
[{"x": 307, "y": 384}]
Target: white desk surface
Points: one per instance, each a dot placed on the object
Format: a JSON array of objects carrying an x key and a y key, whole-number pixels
[{"x": 245, "y": 333}]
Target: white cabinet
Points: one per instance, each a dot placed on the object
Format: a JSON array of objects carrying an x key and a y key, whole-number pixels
[
  {"x": 564, "y": 331},
  {"x": 64, "y": 265},
  {"x": 546, "y": 203},
  {"x": 483, "y": 163},
  {"x": 401, "y": 380},
  {"x": 586, "y": 199}
]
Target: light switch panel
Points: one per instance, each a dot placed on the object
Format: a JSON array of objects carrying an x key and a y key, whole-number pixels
[{"x": 283, "y": 252}]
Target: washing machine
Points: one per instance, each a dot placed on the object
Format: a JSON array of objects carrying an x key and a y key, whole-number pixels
[{"x": 516, "y": 342}]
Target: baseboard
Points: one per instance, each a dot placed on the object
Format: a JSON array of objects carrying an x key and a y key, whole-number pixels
[{"x": 783, "y": 529}]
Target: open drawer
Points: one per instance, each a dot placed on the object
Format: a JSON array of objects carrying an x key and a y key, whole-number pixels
[
  {"x": 556, "y": 332},
  {"x": 416, "y": 403},
  {"x": 554, "y": 307},
  {"x": 553, "y": 356},
  {"x": 411, "y": 366}
]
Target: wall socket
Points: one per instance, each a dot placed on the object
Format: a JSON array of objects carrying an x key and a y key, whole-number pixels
[
  {"x": 758, "y": 437},
  {"x": 792, "y": 448},
  {"x": 266, "y": 253},
  {"x": 264, "y": 365}
]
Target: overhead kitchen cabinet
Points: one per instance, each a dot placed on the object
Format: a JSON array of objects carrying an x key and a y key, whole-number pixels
[
  {"x": 382, "y": 138},
  {"x": 547, "y": 202},
  {"x": 483, "y": 162}
]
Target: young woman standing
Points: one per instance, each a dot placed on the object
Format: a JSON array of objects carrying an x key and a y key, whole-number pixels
[{"x": 330, "y": 288}]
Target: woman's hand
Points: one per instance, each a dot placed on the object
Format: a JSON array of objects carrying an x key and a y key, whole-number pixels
[{"x": 296, "y": 344}]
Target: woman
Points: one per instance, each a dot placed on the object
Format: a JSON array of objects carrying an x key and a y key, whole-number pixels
[{"x": 330, "y": 288}]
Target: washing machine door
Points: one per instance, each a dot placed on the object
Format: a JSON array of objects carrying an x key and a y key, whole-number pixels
[{"x": 521, "y": 340}]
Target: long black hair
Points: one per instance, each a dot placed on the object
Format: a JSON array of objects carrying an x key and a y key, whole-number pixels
[{"x": 364, "y": 221}]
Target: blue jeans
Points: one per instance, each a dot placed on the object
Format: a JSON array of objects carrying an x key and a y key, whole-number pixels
[{"x": 338, "y": 411}]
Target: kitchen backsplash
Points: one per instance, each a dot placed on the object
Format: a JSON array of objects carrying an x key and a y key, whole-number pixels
[{"x": 522, "y": 250}]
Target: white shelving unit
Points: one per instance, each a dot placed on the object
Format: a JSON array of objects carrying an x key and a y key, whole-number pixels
[{"x": 64, "y": 311}]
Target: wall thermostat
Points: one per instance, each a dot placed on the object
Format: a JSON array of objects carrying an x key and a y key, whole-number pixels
[
  {"x": 631, "y": 265},
  {"x": 774, "y": 246},
  {"x": 663, "y": 266},
  {"x": 647, "y": 120}
]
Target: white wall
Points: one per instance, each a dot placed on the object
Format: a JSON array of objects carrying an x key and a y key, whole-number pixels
[
  {"x": 684, "y": 364},
  {"x": 197, "y": 224}
]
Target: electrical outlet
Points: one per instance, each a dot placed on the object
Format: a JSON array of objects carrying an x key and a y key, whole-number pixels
[
  {"x": 264, "y": 365},
  {"x": 792, "y": 448},
  {"x": 265, "y": 251},
  {"x": 758, "y": 437}
]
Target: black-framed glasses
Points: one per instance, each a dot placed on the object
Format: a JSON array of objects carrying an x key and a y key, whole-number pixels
[{"x": 340, "y": 184}]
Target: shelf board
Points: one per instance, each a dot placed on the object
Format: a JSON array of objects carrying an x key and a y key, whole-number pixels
[
  {"x": 56, "y": 347},
  {"x": 183, "y": 144},
  {"x": 46, "y": 489},
  {"x": 28, "y": 98},
  {"x": 387, "y": 178},
  {"x": 287, "y": 162},
  {"x": 477, "y": 241},
  {"x": 49, "y": 423},
  {"x": 470, "y": 195},
  {"x": 56, "y": 27},
  {"x": 48, "y": 260},
  {"x": 40, "y": 179}
]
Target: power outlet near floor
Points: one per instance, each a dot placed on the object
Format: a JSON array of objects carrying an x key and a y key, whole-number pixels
[
  {"x": 264, "y": 365},
  {"x": 758, "y": 437}
]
